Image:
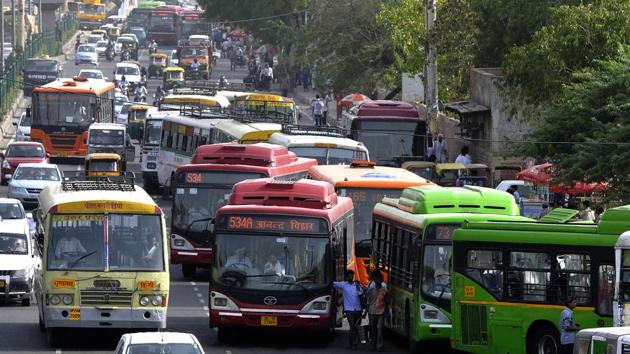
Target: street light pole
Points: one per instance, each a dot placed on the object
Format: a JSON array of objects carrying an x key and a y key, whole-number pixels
[
  {"x": 2, "y": 40},
  {"x": 14, "y": 29},
  {"x": 40, "y": 13},
  {"x": 431, "y": 92}
]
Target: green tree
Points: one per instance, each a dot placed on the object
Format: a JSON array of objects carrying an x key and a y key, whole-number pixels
[{"x": 592, "y": 114}]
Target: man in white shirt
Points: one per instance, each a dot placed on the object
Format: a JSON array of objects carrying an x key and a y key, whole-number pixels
[
  {"x": 69, "y": 246},
  {"x": 440, "y": 149},
  {"x": 273, "y": 266},
  {"x": 239, "y": 260},
  {"x": 464, "y": 157}
]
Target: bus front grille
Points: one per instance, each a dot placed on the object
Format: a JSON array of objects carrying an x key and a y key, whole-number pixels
[
  {"x": 62, "y": 140},
  {"x": 474, "y": 324},
  {"x": 106, "y": 297}
]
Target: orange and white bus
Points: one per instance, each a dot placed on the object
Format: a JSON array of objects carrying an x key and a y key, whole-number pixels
[
  {"x": 366, "y": 184},
  {"x": 63, "y": 111}
]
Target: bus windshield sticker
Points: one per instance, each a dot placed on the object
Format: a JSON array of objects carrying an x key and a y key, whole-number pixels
[
  {"x": 193, "y": 191},
  {"x": 281, "y": 240},
  {"x": 180, "y": 191}
]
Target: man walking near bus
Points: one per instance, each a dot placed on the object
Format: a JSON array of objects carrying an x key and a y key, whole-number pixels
[
  {"x": 568, "y": 327},
  {"x": 318, "y": 108},
  {"x": 352, "y": 307}
]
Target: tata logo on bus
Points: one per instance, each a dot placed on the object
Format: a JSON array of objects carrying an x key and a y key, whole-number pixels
[
  {"x": 378, "y": 175},
  {"x": 103, "y": 205}
]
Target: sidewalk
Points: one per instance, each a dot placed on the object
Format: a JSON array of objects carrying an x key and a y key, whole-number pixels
[{"x": 7, "y": 127}]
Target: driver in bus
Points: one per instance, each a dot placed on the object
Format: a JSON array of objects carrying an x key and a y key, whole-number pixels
[
  {"x": 68, "y": 246},
  {"x": 273, "y": 266},
  {"x": 239, "y": 260}
]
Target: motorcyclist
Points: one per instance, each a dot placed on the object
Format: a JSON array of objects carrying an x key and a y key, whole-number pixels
[
  {"x": 223, "y": 81},
  {"x": 143, "y": 71},
  {"x": 124, "y": 55},
  {"x": 159, "y": 94},
  {"x": 153, "y": 47},
  {"x": 195, "y": 65},
  {"x": 141, "y": 93},
  {"x": 109, "y": 51},
  {"x": 78, "y": 42},
  {"x": 123, "y": 84}
]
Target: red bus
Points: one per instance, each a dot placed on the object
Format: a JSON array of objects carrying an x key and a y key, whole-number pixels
[
  {"x": 392, "y": 131},
  {"x": 278, "y": 248},
  {"x": 193, "y": 22},
  {"x": 162, "y": 24},
  {"x": 203, "y": 186}
]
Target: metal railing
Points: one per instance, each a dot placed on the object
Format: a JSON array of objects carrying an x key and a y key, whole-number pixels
[{"x": 46, "y": 43}]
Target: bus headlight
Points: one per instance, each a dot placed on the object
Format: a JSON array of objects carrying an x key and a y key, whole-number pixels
[
  {"x": 319, "y": 305},
  {"x": 219, "y": 301},
  {"x": 431, "y": 314},
  {"x": 156, "y": 300},
  {"x": 67, "y": 299},
  {"x": 54, "y": 299},
  {"x": 180, "y": 243},
  {"x": 144, "y": 300}
]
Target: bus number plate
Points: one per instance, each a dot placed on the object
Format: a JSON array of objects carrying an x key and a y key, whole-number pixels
[
  {"x": 75, "y": 314},
  {"x": 268, "y": 321},
  {"x": 63, "y": 153}
]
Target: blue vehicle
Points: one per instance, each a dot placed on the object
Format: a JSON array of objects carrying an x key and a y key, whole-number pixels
[{"x": 140, "y": 34}]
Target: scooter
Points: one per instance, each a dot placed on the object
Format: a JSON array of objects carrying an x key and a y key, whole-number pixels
[{"x": 124, "y": 56}]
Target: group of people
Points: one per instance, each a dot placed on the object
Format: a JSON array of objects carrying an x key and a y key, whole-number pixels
[
  {"x": 359, "y": 302},
  {"x": 319, "y": 107},
  {"x": 260, "y": 73}
]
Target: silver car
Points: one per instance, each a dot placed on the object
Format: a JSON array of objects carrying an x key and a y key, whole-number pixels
[
  {"x": 86, "y": 53},
  {"x": 29, "y": 179}
]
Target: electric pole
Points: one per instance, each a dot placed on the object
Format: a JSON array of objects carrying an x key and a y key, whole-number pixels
[
  {"x": 430, "y": 70},
  {"x": 2, "y": 39}
]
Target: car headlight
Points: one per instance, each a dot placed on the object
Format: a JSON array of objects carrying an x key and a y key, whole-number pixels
[
  {"x": 144, "y": 300},
  {"x": 67, "y": 299},
  {"x": 54, "y": 299},
  {"x": 13, "y": 190},
  {"x": 5, "y": 164},
  {"x": 156, "y": 300},
  {"x": 22, "y": 273}
]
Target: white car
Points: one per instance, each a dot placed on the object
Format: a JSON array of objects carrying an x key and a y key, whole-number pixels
[
  {"x": 101, "y": 47},
  {"x": 86, "y": 54},
  {"x": 23, "y": 132},
  {"x": 93, "y": 39},
  {"x": 130, "y": 35},
  {"x": 92, "y": 74},
  {"x": 159, "y": 342},
  {"x": 123, "y": 115},
  {"x": 173, "y": 58},
  {"x": 30, "y": 179},
  {"x": 119, "y": 101},
  {"x": 19, "y": 259},
  {"x": 130, "y": 71}
]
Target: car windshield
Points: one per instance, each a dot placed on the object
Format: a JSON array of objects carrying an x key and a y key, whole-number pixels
[
  {"x": 174, "y": 75},
  {"x": 94, "y": 39},
  {"x": 36, "y": 174},
  {"x": 139, "y": 32},
  {"x": 101, "y": 44},
  {"x": 107, "y": 137},
  {"x": 152, "y": 132},
  {"x": 86, "y": 49},
  {"x": 13, "y": 244},
  {"x": 120, "y": 100},
  {"x": 364, "y": 200},
  {"x": 25, "y": 151},
  {"x": 330, "y": 156},
  {"x": 11, "y": 211},
  {"x": 271, "y": 262},
  {"x": 127, "y": 70},
  {"x": 171, "y": 348},
  {"x": 103, "y": 166},
  {"x": 91, "y": 75},
  {"x": 132, "y": 242},
  {"x": 189, "y": 27},
  {"x": 385, "y": 140}
]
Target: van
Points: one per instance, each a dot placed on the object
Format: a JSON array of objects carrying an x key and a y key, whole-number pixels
[{"x": 19, "y": 260}]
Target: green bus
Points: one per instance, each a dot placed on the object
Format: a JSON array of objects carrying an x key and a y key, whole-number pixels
[
  {"x": 511, "y": 281},
  {"x": 411, "y": 240}
]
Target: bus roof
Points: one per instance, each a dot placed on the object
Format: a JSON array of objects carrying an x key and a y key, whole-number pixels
[
  {"x": 216, "y": 100},
  {"x": 75, "y": 85},
  {"x": 360, "y": 175},
  {"x": 259, "y": 154},
  {"x": 388, "y": 109},
  {"x": 303, "y": 197},
  {"x": 84, "y": 201},
  {"x": 241, "y": 130},
  {"x": 112, "y": 126},
  {"x": 168, "y": 9},
  {"x": 467, "y": 199},
  {"x": 191, "y": 122},
  {"x": 316, "y": 141}
]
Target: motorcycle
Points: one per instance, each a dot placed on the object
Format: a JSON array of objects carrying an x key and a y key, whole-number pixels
[
  {"x": 109, "y": 55},
  {"x": 152, "y": 48},
  {"x": 124, "y": 55}
]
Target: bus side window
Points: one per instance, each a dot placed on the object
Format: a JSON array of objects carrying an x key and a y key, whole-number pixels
[{"x": 605, "y": 289}]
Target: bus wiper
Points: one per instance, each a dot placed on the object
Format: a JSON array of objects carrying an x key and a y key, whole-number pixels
[{"x": 76, "y": 261}]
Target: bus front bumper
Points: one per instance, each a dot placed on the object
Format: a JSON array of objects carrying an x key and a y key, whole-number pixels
[
  {"x": 75, "y": 317},
  {"x": 271, "y": 320}
]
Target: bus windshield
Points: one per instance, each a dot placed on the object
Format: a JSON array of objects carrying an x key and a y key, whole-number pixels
[
  {"x": 153, "y": 132},
  {"x": 64, "y": 109},
  {"x": 272, "y": 262},
  {"x": 194, "y": 27},
  {"x": 131, "y": 243},
  {"x": 437, "y": 251},
  {"x": 91, "y": 9},
  {"x": 385, "y": 140},
  {"x": 364, "y": 200},
  {"x": 330, "y": 156},
  {"x": 114, "y": 137},
  {"x": 162, "y": 22},
  {"x": 191, "y": 52},
  {"x": 191, "y": 204}
]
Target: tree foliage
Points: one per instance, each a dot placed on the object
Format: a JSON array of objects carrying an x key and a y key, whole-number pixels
[{"x": 593, "y": 112}]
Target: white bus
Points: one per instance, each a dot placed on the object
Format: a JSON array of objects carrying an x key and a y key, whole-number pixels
[
  {"x": 229, "y": 130},
  {"x": 326, "y": 146},
  {"x": 150, "y": 147}
]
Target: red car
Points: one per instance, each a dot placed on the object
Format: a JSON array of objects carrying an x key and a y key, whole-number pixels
[{"x": 19, "y": 152}]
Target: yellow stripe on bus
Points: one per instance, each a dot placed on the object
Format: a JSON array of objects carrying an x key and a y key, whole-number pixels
[
  {"x": 521, "y": 304},
  {"x": 111, "y": 206}
]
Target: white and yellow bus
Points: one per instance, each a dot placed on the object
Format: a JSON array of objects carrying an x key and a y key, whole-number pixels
[{"x": 105, "y": 258}]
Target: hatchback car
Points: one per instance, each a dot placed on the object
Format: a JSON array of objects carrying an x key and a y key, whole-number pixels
[
  {"x": 30, "y": 179},
  {"x": 159, "y": 342},
  {"x": 101, "y": 47},
  {"x": 19, "y": 259},
  {"x": 23, "y": 132},
  {"x": 92, "y": 74},
  {"x": 119, "y": 101},
  {"x": 86, "y": 53},
  {"x": 94, "y": 38},
  {"x": 20, "y": 152}
]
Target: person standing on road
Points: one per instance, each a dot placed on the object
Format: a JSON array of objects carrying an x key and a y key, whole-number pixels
[
  {"x": 376, "y": 300},
  {"x": 568, "y": 327},
  {"x": 318, "y": 108},
  {"x": 352, "y": 293},
  {"x": 440, "y": 150}
]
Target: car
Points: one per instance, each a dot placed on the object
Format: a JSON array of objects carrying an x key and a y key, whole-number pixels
[
  {"x": 132, "y": 36},
  {"x": 93, "y": 39},
  {"x": 140, "y": 34},
  {"x": 23, "y": 125},
  {"x": 119, "y": 101},
  {"x": 19, "y": 259},
  {"x": 158, "y": 342},
  {"x": 130, "y": 71},
  {"x": 101, "y": 47},
  {"x": 12, "y": 213},
  {"x": 118, "y": 46},
  {"x": 123, "y": 115},
  {"x": 30, "y": 179},
  {"x": 20, "y": 152},
  {"x": 174, "y": 61},
  {"x": 86, "y": 53},
  {"x": 92, "y": 74}
]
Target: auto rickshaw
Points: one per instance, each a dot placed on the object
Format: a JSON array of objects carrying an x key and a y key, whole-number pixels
[
  {"x": 157, "y": 63},
  {"x": 424, "y": 169},
  {"x": 448, "y": 173},
  {"x": 113, "y": 31},
  {"x": 131, "y": 45},
  {"x": 173, "y": 77},
  {"x": 103, "y": 165},
  {"x": 135, "y": 122},
  {"x": 477, "y": 174}
]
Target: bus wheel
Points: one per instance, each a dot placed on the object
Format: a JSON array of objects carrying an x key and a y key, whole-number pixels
[
  {"x": 189, "y": 270},
  {"x": 544, "y": 340}
]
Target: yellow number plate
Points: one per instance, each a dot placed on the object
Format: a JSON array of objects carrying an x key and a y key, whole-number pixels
[
  {"x": 3, "y": 283},
  {"x": 75, "y": 314},
  {"x": 63, "y": 153},
  {"x": 268, "y": 321},
  {"x": 469, "y": 291}
]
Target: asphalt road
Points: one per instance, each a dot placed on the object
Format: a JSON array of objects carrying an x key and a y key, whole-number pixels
[{"x": 188, "y": 310}]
